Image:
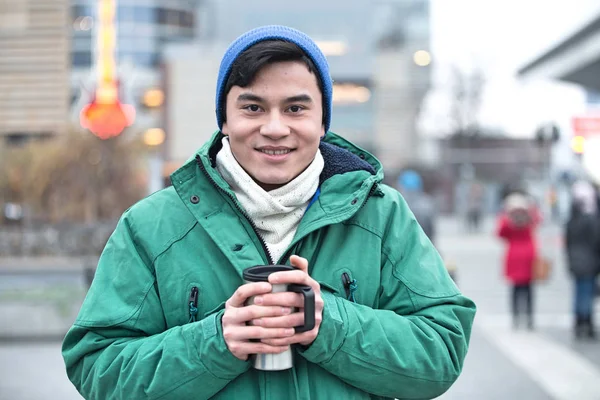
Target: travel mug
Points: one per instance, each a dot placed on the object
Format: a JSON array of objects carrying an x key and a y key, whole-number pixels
[{"x": 260, "y": 273}]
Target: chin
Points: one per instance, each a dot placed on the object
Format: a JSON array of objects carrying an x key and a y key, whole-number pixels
[{"x": 273, "y": 182}]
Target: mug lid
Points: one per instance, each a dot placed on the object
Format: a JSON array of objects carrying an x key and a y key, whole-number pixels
[{"x": 260, "y": 273}]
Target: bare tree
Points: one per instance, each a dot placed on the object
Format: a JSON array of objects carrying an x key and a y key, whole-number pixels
[
  {"x": 466, "y": 91},
  {"x": 74, "y": 177}
]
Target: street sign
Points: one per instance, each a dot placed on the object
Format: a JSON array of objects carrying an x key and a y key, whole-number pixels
[{"x": 586, "y": 125}]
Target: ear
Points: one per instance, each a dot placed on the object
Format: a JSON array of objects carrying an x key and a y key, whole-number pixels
[
  {"x": 323, "y": 131},
  {"x": 225, "y": 129}
]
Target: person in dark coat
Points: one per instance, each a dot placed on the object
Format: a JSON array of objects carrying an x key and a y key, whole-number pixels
[{"x": 582, "y": 240}]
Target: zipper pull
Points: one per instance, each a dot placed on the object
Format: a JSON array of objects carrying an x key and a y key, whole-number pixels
[
  {"x": 350, "y": 285},
  {"x": 193, "y": 304}
]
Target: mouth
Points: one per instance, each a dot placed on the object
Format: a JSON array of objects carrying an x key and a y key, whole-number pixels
[{"x": 275, "y": 152}]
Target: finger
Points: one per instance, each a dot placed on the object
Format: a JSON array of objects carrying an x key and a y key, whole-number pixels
[
  {"x": 246, "y": 332},
  {"x": 283, "y": 299},
  {"x": 240, "y": 315},
  {"x": 300, "y": 263},
  {"x": 298, "y": 338},
  {"x": 257, "y": 348},
  {"x": 288, "y": 321},
  {"x": 243, "y": 292},
  {"x": 296, "y": 276}
]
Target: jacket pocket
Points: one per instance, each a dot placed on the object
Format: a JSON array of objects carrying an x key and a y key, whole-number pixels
[{"x": 342, "y": 284}]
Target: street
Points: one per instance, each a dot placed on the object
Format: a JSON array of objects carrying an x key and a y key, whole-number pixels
[
  {"x": 502, "y": 363},
  {"x": 507, "y": 364}
]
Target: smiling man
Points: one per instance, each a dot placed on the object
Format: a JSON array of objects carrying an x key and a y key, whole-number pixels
[{"x": 167, "y": 315}]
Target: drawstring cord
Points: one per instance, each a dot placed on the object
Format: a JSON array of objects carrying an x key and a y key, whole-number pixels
[
  {"x": 193, "y": 312},
  {"x": 352, "y": 287},
  {"x": 193, "y": 304}
]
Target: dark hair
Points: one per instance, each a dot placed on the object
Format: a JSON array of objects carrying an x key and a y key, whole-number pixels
[{"x": 254, "y": 58}]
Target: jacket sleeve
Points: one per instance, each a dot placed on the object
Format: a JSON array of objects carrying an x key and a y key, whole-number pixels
[
  {"x": 120, "y": 348},
  {"x": 412, "y": 346}
]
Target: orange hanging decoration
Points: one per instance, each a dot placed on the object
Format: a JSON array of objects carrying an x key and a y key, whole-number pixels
[{"x": 106, "y": 116}]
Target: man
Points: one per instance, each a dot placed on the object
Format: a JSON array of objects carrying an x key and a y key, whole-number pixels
[{"x": 165, "y": 316}]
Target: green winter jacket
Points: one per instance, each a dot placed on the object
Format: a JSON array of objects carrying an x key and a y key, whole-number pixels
[{"x": 401, "y": 331}]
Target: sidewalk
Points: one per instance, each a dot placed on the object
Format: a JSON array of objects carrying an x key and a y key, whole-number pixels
[{"x": 31, "y": 264}]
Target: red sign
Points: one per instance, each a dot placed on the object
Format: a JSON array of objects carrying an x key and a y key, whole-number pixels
[
  {"x": 107, "y": 120},
  {"x": 586, "y": 126}
]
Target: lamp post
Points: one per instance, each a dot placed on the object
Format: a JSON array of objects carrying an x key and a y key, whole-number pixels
[{"x": 153, "y": 139}]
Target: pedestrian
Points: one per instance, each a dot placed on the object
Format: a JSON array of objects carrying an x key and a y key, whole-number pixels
[
  {"x": 582, "y": 244},
  {"x": 474, "y": 207},
  {"x": 168, "y": 314},
  {"x": 516, "y": 226},
  {"x": 410, "y": 185}
]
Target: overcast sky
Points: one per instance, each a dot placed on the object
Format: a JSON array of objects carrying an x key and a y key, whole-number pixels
[{"x": 502, "y": 36}]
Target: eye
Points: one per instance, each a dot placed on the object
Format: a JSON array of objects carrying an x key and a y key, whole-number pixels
[
  {"x": 295, "y": 109},
  {"x": 252, "y": 108}
]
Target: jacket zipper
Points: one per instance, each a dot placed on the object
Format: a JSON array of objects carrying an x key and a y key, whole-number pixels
[
  {"x": 350, "y": 285},
  {"x": 371, "y": 191},
  {"x": 238, "y": 207},
  {"x": 193, "y": 304}
]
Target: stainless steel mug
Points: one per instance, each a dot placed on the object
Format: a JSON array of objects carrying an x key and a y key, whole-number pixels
[{"x": 285, "y": 360}]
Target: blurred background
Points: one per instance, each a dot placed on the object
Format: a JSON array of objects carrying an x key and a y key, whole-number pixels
[{"x": 463, "y": 101}]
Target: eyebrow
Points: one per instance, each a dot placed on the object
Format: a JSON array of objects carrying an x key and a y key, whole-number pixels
[
  {"x": 300, "y": 98},
  {"x": 250, "y": 97}
]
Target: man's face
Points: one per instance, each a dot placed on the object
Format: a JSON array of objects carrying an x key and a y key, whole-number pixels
[{"x": 275, "y": 124}]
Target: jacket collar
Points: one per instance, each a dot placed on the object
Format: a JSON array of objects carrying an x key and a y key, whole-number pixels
[{"x": 348, "y": 179}]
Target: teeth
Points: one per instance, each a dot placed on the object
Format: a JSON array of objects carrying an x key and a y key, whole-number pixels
[{"x": 275, "y": 152}]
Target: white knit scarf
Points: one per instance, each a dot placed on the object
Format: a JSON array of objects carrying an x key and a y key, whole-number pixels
[{"x": 276, "y": 213}]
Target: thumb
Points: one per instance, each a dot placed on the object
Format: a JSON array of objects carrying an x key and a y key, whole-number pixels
[{"x": 300, "y": 263}]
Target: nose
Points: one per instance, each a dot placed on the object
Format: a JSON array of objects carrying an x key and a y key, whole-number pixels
[{"x": 275, "y": 127}]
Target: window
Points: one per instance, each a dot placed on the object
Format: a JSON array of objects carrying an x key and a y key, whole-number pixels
[
  {"x": 185, "y": 19},
  {"x": 143, "y": 59},
  {"x": 81, "y": 11},
  {"x": 125, "y": 13},
  {"x": 144, "y": 14},
  {"x": 81, "y": 58}
]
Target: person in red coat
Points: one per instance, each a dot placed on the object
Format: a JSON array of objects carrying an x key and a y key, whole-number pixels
[{"x": 516, "y": 226}]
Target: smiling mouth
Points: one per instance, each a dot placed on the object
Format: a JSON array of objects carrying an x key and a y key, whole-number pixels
[{"x": 275, "y": 152}]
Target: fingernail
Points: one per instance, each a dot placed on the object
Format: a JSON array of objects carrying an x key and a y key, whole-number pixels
[
  {"x": 257, "y": 322},
  {"x": 258, "y": 300},
  {"x": 290, "y": 331},
  {"x": 286, "y": 310}
]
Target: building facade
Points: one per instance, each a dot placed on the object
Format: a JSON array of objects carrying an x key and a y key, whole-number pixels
[
  {"x": 402, "y": 78},
  {"x": 34, "y": 69}
]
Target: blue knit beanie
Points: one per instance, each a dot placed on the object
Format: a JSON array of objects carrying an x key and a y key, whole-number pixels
[{"x": 275, "y": 32}]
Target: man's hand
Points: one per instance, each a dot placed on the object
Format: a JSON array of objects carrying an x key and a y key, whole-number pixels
[
  {"x": 237, "y": 333},
  {"x": 289, "y": 300}
]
